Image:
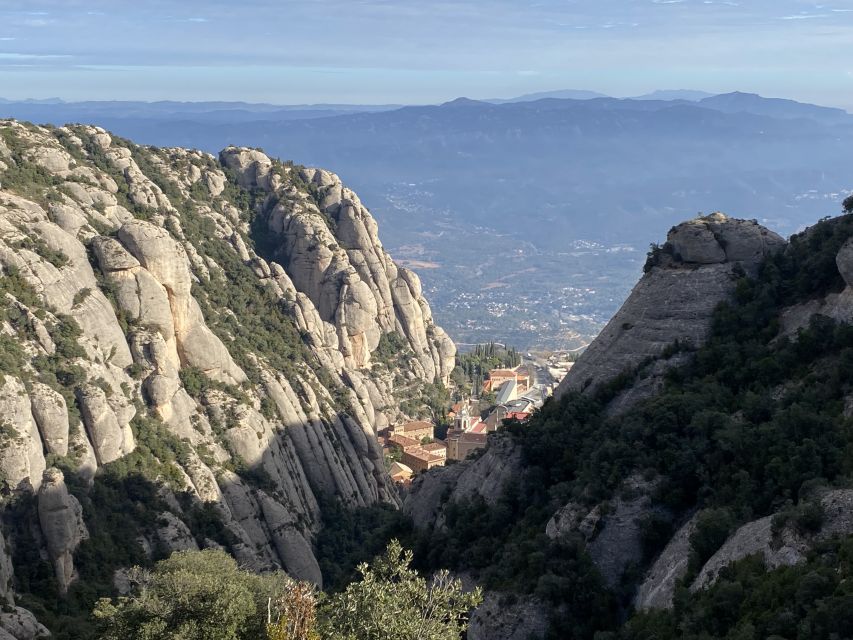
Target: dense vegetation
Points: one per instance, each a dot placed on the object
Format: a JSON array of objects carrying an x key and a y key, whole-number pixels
[
  {"x": 810, "y": 601},
  {"x": 473, "y": 366},
  {"x": 349, "y": 537},
  {"x": 204, "y": 596},
  {"x": 751, "y": 426}
]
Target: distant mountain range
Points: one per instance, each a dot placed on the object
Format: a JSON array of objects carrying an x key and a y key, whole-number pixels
[{"x": 495, "y": 201}]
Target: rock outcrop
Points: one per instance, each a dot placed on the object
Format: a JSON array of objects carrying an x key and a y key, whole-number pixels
[
  {"x": 658, "y": 587},
  {"x": 777, "y": 546},
  {"x": 61, "y": 520},
  {"x": 216, "y": 317},
  {"x": 673, "y": 302},
  {"x": 838, "y": 306},
  {"x": 520, "y": 619},
  {"x": 482, "y": 478},
  {"x": 329, "y": 247}
]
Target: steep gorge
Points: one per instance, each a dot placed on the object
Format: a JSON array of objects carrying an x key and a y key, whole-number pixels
[{"x": 193, "y": 352}]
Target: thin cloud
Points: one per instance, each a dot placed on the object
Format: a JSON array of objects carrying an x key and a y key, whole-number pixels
[{"x": 32, "y": 56}]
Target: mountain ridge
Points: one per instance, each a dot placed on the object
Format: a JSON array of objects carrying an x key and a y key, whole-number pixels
[
  {"x": 188, "y": 360},
  {"x": 653, "y": 488}
]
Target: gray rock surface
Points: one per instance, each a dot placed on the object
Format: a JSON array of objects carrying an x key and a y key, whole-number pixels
[
  {"x": 484, "y": 477},
  {"x": 173, "y": 534},
  {"x": 111, "y": 253},
  {"x": 497, "y": 618},
  {"x": 110, "y": 439},
  {"x": 658, "y": 587},
  {"x": 675, "y": 300},
  {"x": 21, "y": 624},
  {"x": 616, "y": 544},
  {"x": 51, "y": 415},
  {"x": 61, "y": 520},
  {"x": 788, "y": 547},
  {"x": 21, "y": 459}
]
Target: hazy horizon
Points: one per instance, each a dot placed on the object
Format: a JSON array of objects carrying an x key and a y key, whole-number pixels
[
  {"x": 310, "y": 104},
  {"x": 335, "y": 51}
]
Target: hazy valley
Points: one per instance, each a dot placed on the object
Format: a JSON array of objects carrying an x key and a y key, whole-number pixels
[{"x": 529, "y": 220}]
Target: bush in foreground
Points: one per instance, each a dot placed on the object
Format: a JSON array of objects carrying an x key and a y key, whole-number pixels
[{"x": 204, "y": 595}]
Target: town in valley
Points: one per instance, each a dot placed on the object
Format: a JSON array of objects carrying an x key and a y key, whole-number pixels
[{"x": 485, "y": 400}]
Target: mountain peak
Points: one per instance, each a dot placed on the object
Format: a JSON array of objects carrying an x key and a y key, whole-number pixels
[{"x": 463, "y": 102}]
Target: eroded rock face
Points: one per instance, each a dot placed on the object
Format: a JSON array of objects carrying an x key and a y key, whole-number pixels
[
  {"x": 777, "y": 548},
  {"x": 343, "y": 269},
  {"x": 21, "y": 458},
  {"x": 61, "y": 519},
  {"x": 51, "y": 415},
  {"x": 675, "y": 299},
  {"x": 21, "y": 624},
  {"x": 495, "y": 618},
  {"x": 484, "y": 477},
  {"x": 110, "y": 439},
  {"x": 174, "y": 534},
  {"x": 658, "y": 587},
  {"x": 118, "y": 278},
  {"x": 613, "y": 532}
]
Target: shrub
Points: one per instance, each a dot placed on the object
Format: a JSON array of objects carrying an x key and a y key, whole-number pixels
[
  {"x": 192, "y": 595},
  {"x": 391, "y": 601}
]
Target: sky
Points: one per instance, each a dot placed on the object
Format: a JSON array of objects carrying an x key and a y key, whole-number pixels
[{"x": 421, "y": 51}]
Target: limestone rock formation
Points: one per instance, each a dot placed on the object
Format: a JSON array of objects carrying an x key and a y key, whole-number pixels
[
  {"x": 51, "y": 415},
  {"x": 216, "y": 317},
  {"x": 618, "y": 545},
  {"x": 61, "y": 519},
  {"x": 21, "y": 458},
  {"x": 658, "y": 587},
  {"x": 783, "y": 547},
  {"x": 330, "y": 249},
  {"x": 613, "y": 534},
  {"x": 522, "y": 619},
  {"x": 484, "y": 477},
  {"x": 673, "y": 302},
  {"x": 21, "y": 624},
  {"x": 174, "y": 534}
]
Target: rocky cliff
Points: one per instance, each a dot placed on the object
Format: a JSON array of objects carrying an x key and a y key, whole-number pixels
[
  {"x": 668, "y": 313},
  {"x": 228, "y": 329},
  {"x": 673, "y": 302},
  {"x": 694, "y": 433}
]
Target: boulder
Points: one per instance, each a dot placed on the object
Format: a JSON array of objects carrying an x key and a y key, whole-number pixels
[{"x": 21, "y": 624}]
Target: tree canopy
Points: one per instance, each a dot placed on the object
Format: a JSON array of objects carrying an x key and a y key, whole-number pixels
[{"x": 204, "y": 595}]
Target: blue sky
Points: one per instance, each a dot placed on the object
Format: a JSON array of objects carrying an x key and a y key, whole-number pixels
[{"x": 421, "y": 51}]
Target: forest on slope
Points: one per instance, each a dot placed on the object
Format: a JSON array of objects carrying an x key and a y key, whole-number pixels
[{"x": 752, "y": 429}]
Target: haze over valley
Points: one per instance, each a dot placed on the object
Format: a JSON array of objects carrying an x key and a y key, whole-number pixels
[
  {"x": 426, "y": 320},
  {"x": 530, "y": 219}
]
